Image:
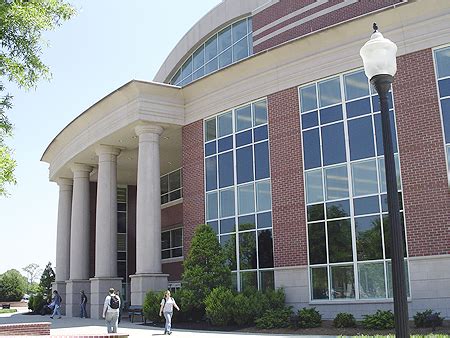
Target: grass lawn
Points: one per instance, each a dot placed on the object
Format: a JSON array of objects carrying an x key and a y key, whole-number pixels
[{"x": 8, "y": 310}]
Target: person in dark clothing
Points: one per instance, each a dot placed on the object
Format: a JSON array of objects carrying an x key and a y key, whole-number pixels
[
  {"x": 83, "y": 312},
  {"x": 121, "y": 305}
]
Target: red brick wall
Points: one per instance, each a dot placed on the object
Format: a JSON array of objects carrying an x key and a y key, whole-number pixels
[
  {"x": 284, "y": 7},
  {"x": 288, "y": 203},
  {"x": 174, "y": 269},
  {"x": 422, "y": 155},
  {"x": 131, "y": 230},
  {"x": 25, "y": 329},
  {"x": 193, "y": 182},
  {"x": 172, "y": 216}
]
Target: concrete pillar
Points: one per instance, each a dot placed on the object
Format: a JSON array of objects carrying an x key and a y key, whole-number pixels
[
  {"x": 148, "y": 216},
  {"x": 63, "y": 230}
]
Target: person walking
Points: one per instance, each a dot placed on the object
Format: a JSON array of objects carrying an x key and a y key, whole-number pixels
[
  {"x": 83, "y": 312},
  {"x": 56, "y": 303},
  {"x": 111, "y": 311},
  {"x": 167, "y": 305}
]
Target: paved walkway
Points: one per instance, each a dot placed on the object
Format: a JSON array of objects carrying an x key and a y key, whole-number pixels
[{"x": 73, "y": 325}]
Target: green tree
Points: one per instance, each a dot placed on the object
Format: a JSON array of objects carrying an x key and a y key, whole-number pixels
[
  {"x": 22, "y": 23},
  {"x": 47, "y": 278},
  {"x": 32, "y": 271},
  {"x": 12, "y": 286},
  {"x": 205, "y": 268}
]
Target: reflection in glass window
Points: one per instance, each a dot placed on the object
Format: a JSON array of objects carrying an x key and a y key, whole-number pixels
[
  {"x": 243, "y": 118},
  {"x": 319, "y": 283},
  {"x": 263, "y": 196},
  {"x": 329, "y": 92},
  {"x": 342, "y": 282},
  {"x": 336, "y": 182},
  {"x": 368, "y": 238},
  {"x": 246, "y": 199},
  {"x": 308, "y": 98},
  {"x": 225, "y": 122},
  {"x": 172, "y": 187},
  {"x": 371, "y": 280},
  {"x": 212, "y": 203},
  {"x": 356, "y": 85},
  {"x": 333, "y": 144},
  {"x": 314, "y": 186},
  {"x": 364, "y": 175}
]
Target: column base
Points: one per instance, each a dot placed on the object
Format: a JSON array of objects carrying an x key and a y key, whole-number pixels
[
  {"x": 60, "y": 286},
  {"x": 99, "y": 290},
  {"x": 73, "y": 297},
  {"x": 144, "y": 282}
]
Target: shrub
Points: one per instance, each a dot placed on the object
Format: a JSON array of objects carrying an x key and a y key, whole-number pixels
[
  {"x": 309, "y": 317},
  {"x": 379, "y": 320},
  {"x": 152, "y": 304},
  {"x": 275, "y": 318},
  {"x": 219, "y": 306},
  {"x": 427, "y": 319},
  {"x": 36, "y": 303},
  {"x": 245, "y": 309},
  {"x": 344, "y": 319},
  {"x": 276, "y": 298},
  {"x": 12, "y": 286}
]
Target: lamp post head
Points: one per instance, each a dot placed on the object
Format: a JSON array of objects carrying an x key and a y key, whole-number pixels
[{"x": 379, "y": 55}]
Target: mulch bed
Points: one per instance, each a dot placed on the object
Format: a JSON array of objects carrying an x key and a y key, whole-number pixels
[{"x": 327, "y": 329}]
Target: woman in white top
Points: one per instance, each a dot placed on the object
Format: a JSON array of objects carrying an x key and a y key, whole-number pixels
[{"x": 167, "y": 305}]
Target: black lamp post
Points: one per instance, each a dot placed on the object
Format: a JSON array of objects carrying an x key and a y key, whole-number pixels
[{"x": 380, "y": 66}]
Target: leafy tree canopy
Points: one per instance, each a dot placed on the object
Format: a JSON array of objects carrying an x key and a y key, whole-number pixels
[
  {"x": 22, "y": 23},
  {"x": 12, "y": 286}
]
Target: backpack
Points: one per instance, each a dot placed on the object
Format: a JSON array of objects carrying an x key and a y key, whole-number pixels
[
  {"x": 114, "y": 302},
  {"x": 60, "y": 299}
]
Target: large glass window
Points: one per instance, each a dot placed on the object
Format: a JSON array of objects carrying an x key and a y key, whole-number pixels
[
  {"x": 172, "y": 186},
  {"x": 238, "y": 189},
  {"x": 229, "y": 45},
  {"x": 345, "y": 185},
  {"x": 442, "y": 63}
]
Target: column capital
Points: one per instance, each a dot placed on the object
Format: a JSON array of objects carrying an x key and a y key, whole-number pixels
[
  {"x": 64, "y": 182},
  {"x": 80, "y": 170},
  {"x": 148, "y": 129},
  {"x": 103, "y": 149}
]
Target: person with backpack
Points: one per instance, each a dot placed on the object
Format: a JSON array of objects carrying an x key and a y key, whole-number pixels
[
  {"x": 111, "y": 311},
  {"x": 83, "y": 312},
  {"x": 167, "y": 305},
  {"x": 56, "y": 304}
]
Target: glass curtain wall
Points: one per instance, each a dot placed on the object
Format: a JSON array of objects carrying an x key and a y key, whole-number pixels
[
  {"x": 238, "y": 192},
  {"x": 346, "y": 203}
]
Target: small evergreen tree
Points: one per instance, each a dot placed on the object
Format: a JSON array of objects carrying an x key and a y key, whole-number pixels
[
  {"x": 205, "y": 268},
  {"x": 12, "y": 286},
  {"x": 47, "y": 278}
]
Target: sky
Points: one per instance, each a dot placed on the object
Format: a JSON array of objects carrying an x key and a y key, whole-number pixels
[{"x": 107, "y": 44}]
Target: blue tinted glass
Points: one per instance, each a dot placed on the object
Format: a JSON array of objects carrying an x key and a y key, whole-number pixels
[
  {"x": 246, "y": 222},
  {"x": 379, "y": 133},
  {"x": 265, "y": 220},
  {"x": 260, "y": 133},
  {"x": 366, "y": 205},
  {"x": 211, "y": 173},
  {"x": 210, "y": 148},
  {"x": 310, "y": 120},
  {"x": 244, "y": 164},
  {"x": 215, "y": 226},
  {"x": 356, "y": 85},
  {"x": 308, "y": 98},
  {"x": 225, "y": 169},
  {"x": 311, "y": 149},
  {"x": 329, "y": 92},
  {"x": 262, "y": 160},
  {"x": 360, "y": 133},
  {"x": 243, "y": 138},
  {"x": 338, "y": 209},
  {"x": 331, "y": 114},
  {"x": 225, "y": 143},
  {"x": 444, "y": 87},
  {"x": 227, "y": 225},
  {"x": 445, "y": 104},
  {"x": 333, "y": 144},
  {"x": 358, "y": 107},
  {"x": 443, "y": 62}
]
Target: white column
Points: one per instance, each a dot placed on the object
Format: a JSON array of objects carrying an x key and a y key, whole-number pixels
[
  {"x": 63, "y": 229},
  {"x": 148, "y": 204},
  {"x": 106, "y": 216},
  {"x": 79, "y": 234}
]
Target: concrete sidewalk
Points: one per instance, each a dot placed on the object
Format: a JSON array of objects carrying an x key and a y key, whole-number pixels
[{"x": 74, "y": 325}]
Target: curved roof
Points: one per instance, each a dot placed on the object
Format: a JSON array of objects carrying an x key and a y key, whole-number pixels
[{"x": 216, "y": 18}]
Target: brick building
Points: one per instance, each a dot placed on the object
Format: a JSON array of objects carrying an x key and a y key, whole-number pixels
[{"x": 262, "y": 124}]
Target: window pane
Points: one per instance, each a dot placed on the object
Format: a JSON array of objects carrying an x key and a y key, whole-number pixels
[
  {"x": 246, "y": 222},
  {"x": 240, "y": 49},
  {"x": 371, "y": 280},
  {"x": 265, "y": 249},
  {"x": 366, "y": 205},
  {"x": 317, "y": 243},
  {"x": 330, "y": 114},
  {"x": 336, "y": 183},
  {"x": 356, "y": 85},
  {"x": 174, "y": 180},
  {"x": 122, "y": 207},
  {"x": 333, "y": 144},
  {"x": 382, "y": 173},
  {"x": 176, "y": 78},
  {"x": 178, "y": 252},
  {"x": 444, "y": 87},
  {"x": 368, "y": 238},
  {"x": 228, "y": 243},
  {"x": 338, "y": 209},
  {"x": 246, "y": 199},
  {"x": 248, "y": 281},
  {"x": 199, "y": 58},
  {"x": 164, "y": 180},
  {"x": 310, "y": 120},
  {"x": 226, "y": 169},
  {"x": 165, "y": 240},
  {"x": 239, "y": 30},
  {"x": 358, "y": 108},
  {"x": 210, "y": 132},
  {"x": 164, "y": 199},
  {"x": 329, "y": 92},
  {"x": 339, "y": 241},
  {"x": 360, "y": 133},
  {"x": 165, "y": 254},
  {"x": 212, "y": 66},
  {"x": 227, "y": 225},
  {"x": 315, "y": 212},
  {"x": 174, "y": 195},
  {"x": 443, "y": 62},
  {"x": 224, "y": 39},
  {"x": 243, "y": 118},
  {"x": 177, "y": 237},
  {"x": 122, "y": 269},
  {"x": 319, "y": 283},
  {"x": 211, "y": 173},
  {"x": 198, "y": 73},
  {"x": 267, "y": 280},
  {"x": 227, "y": 203},
  {"x": 311, "y": 149},
  {"x": 308, "y": 98},
  {"x": 243, "y": 138},
  {"x": 122, "y": 222},
  {"x": 225, "y": 124},
  {"x": 211, "y": 48},
  {"x": 342, "y": 282},
  {"x": 260, "y": 133},
  {"x": 260, "y": 112},
  {"x": 314, "y": 186},
  {"x": 215, "y": 226},
  {"x": 262, "y": 160},
  {"x": 244, "y": 164},
  {"x": 247, "y": 250},
  {"x": 264, "y": 220},
  {"x": 263, "y": 200},
  {"x": 445, "y": 106},
  {"x": 211, "y": 205},
  {"x": 187, "y": 68},
  {"x": 225, "y": 144},
  {"x": 225, "y": 58},
  {"x": 365, "y": 178}
]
